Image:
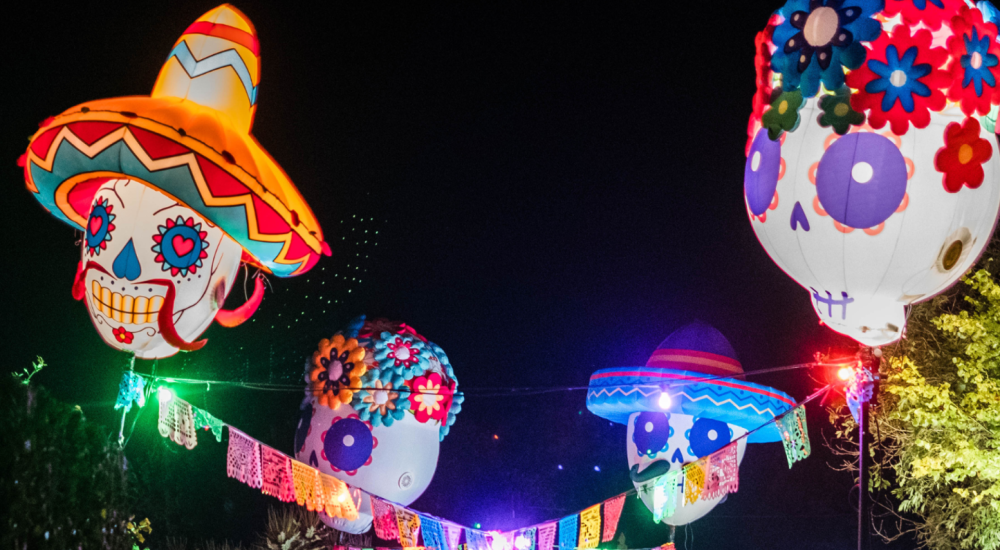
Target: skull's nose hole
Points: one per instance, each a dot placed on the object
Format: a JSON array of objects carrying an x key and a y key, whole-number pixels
[{"x": 126, "y": 265}]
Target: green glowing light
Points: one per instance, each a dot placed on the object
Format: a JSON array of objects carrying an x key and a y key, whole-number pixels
[{"x": 164, "y": 394}]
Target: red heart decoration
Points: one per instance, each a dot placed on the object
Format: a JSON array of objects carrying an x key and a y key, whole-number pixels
[
  {"x": 181, "y": 245},
  {"x": 94, "y": 225}
]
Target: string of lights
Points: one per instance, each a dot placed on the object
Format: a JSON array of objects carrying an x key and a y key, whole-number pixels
[{"x": 496, "y": 391}]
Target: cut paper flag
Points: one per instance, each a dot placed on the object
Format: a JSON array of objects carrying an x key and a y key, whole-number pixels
[
  {"x": 590, "y": 527},
  {"x": 384, "y": 518},
  {"x": 433, "y": 534},
  {"x": 525, "y": 539},
  {"x": 276, "y": 474},
  {"x": 243, "y": 459},
  {"x": 476, "y": 540},
  {"x": 612, "y": 513},
  {"x": 308, "y": 486},
  {"x": 131, "y": 390},
  {"x": 409, "y": 526},
  {"x": 795, "y": 435},
  {"x": 177, "y": 422},
  {"x": 453, "y": 533},
  {"x": 694, "y": 480},
  {"x": 335, "y": 495},
  {"x": 567, "y": 532},
  {"x": 665, "y": 495},
  {"x": 723, "y": 476},
  {"x": 547, "y": 536},
  {"x": 204, "y": 420}
]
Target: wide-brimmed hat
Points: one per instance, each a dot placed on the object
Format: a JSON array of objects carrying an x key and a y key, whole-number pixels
[
  {"x": 698, "y": 368},
  {"x": 190, "y": 139}
]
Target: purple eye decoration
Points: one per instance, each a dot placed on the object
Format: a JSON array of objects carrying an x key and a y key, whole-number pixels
[
  {"x": 99, "y": 227},
  {"x": 861, "y": 180},
  {"x": 707, "y": 436},
  {"x": 763, "y": 168},
  {"x": 348, "y": 444},
  {"x": 650, "y": 433},
  {"x": 180, "y": 246}
]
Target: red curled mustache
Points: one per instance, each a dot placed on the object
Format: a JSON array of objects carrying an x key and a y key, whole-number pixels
[{"x": 164, "y": 318}]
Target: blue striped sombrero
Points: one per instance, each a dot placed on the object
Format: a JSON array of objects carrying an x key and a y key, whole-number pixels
[{"x": 697, "y": 366}]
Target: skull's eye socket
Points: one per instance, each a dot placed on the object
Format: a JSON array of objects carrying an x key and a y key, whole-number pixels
[
  {"x": 348, "y": 444},
  {"x": 708, "y": 435},
  {"x": 180, "y": 246},
  {"x": 650, "y": 432},
  {"x": 99, "y": 227}
]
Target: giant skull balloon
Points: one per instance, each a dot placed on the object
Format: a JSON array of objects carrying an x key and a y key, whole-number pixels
[
  {"x": 171, "y": 192},
  {"x": 877, "y": 189},
  {"x": 380, "y": 399},
  {"x": 698, "y": 418}
]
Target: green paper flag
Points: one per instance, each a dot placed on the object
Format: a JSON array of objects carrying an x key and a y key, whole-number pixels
[
  {"x": 795, "y": 435},
  {"x": 665, "y": 495},
  {"x": 205, "y": 420}
]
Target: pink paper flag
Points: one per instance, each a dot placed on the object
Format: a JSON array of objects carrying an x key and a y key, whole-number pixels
[
  {"x": 723, "y": 477},
  {"x": 243, "y": 459},
  {"x": 612, "y": 513},
  {"x": 547, "y": 536},
  {"x": 452, "y": 534},
  {"x": 276, "y": 474},
  {"x": 384, "y": 518}
]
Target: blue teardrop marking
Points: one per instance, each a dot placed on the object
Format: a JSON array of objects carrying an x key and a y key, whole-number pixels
[
  {"x": 678, "y": 457},
  {"x": 799, "y": 217},
  {"x": 126, "y": 265}
]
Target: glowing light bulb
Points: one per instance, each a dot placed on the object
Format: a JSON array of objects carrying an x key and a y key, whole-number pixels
[
  {"x": 665, "y": 400},
  {"x": 522, "y": 543},
  {"x": 845, "y": 373},
  {"x": 342, "y": 497},
  {"x": 164, "y": 394}
]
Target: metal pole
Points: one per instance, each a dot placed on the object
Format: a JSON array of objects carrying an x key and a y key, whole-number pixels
[{"x": 861, "y": 470}]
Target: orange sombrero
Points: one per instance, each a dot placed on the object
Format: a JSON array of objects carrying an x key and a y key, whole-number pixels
[{"x": 190, "y": 139}]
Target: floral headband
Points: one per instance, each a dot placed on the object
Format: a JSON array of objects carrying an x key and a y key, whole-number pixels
[{"x": 384, "y": 369}]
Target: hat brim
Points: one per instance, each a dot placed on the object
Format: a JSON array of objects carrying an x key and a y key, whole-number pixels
[
  {"x": 616, "y": 393},
  {"x": 187, "y": 152}
]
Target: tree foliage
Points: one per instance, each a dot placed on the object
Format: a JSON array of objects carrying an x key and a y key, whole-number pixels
[
  {"x": 64, "y": 482},
  {"x": 936, "y": 422}
]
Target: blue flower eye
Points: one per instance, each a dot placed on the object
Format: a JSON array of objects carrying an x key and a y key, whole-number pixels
[
  {"x": 650, "y": 432},
  {"x": 348, "y": 444},
  {"x": 99, "y": 227},
  {"x": 180, "y": 246},
  {"x": 708, "y": 435}
]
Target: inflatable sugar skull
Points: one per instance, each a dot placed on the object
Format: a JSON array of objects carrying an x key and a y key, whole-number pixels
[
  {"x": 697, "y": 418},
  {"x": 172, "y": 192},
  {"x": 379, "y": 401},
  {"x": 879, "y": 188}
]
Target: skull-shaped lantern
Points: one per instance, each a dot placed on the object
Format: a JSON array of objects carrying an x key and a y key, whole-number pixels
[
  {"x": 878, "y": 189},
  {"x": 172, "y": 192},
  {"x": 379, "y": 401},
  {"x": 682, "y": 406}
]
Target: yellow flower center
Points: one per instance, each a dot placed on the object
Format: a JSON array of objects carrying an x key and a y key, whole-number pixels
[
  {"x": 840, "y": 109},
  {"x": 783, "y": 106}
]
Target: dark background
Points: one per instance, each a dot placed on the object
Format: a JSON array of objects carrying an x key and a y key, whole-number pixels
[{"x": 543, "y": 190}]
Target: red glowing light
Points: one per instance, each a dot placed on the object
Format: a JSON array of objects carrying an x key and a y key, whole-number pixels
[{"x": 845, "y": 373}]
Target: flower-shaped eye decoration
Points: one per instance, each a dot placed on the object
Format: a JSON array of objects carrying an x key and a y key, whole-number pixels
[
  {"x": 430, "y": 398},
  {"x": 337, "y": 367},
  {"x": 348, "y": 444},
  {"x": 651, "y": 432},
  {"x": 819, "y": 39},
  {"x": 99, "y": 227},
  {"x": 180, "y": 246},
  {"x": 380, "y": 405}
]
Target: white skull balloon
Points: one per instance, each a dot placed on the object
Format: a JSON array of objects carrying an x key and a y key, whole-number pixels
[
  {"x": 879, "y": 189},
  {"x": 380, "y": 400}
]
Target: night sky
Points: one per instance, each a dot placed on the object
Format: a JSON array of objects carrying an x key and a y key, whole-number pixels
[{"x": 543, "y": 190}]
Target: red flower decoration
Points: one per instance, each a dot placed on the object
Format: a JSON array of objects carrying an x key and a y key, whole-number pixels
[
  {"x": 762, "y": 62},
  {"x": 896, "y": 87},
  {"x": 430, "y": 397},
  {"x": 923, "y": 11},
  {"x": 403, "y": 353},
  {"x": 974, "y": 69},
  {"x": 962, "y": 157},
  {"x": 126, "y": 337}
]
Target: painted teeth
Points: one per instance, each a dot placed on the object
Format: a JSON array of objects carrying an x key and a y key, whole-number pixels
[{"x": 134, "y": 310}]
